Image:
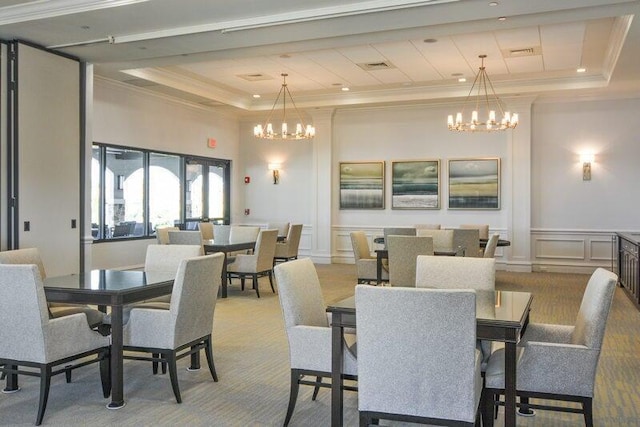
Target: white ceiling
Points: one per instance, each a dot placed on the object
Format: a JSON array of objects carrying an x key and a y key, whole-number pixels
[{"x": 222, "y": 53}]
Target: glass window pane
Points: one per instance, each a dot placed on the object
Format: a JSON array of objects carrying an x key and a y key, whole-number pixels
[
  {"x": 194, "y": 191},
  {"x": 216, "y": 192},
  {"x": 164, "y": 190},
  {"x": 95, "y": 193},
  {"x": 124, "y": 192}
]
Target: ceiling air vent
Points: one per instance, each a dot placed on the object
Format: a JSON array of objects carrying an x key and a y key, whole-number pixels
[
  {"x": 140, "y": 82},
  {"x": 255, "y": 77},
  {"x": 372, "y": 66},
  {"x": 518, "y": 53}
]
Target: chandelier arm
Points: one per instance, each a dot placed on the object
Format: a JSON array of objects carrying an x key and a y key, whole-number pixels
[
  {"x": 273, "y": 108},
  {"x": 496, "y": 97},
  {"x": 296, "y": 109}
]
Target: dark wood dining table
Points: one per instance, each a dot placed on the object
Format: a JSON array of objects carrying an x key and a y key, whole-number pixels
[
  {"x": 224, "y": 246},
  {"x": 111, "y": 288},
  {"x": 500, "y": 316}
]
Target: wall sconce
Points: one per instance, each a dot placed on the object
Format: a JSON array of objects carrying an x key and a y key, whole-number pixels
[
  {"x": 586, "y": 160},
  {"x": 275, "y": 168}
]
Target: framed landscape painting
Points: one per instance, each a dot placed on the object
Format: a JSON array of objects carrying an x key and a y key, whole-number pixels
[
  {"x": 415, "y": 184},
  {"x": 361, "y": 185},
  {"x": 474, "y": 183}
]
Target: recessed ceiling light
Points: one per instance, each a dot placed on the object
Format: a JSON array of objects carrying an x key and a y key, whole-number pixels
[
  {"x": 85, "y": 27},
  {"x": 502, "y": 18},
  {"x": 430, "y": 40},
  {"x": 256, "y": 96},
  {"x": 581, "y": 70},
  {"x": 457, "y": 74},
  {"x": 493, "y": 3},
  {"x": 336, "y": 84},
  {"x": 345, "y": 89},
  {"x": 462, "y": 80}
]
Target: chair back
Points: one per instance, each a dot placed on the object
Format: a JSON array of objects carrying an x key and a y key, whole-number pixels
[
  {"x": 452, "y": 272},
  {"x": 265, "y": 249},
  {"x": 490, "y": 248},
  {"x": 162, "y": 261},
  {"x": 186, "y": 238},
  {"x": 193, "y": 299},
  {"x": 282, "y": 227},
  {"x": 24, "y": 256},
  {"x": 289, "y": 248},
  {"x": 403, "y": 253},
  {"x": 221, "y": 232},
  {"x": 397, "y": 231},
  {"x": 417, "y": 352},
  {"x": 206, "y": 228},
  {"x": 360, "y": 245},
  {"x": 23, "y": 312},
  {"x": 442, "y": 239},
  {"x": 428, "y": 226},
  {"x": 483, "y": 229},
  {"x": 594, "y": 309},
  {"x": 244, "y": 233},
  {"x": 162, "y": 234},
  {"x": 468, "y": 241},
  {"x": 300, "y": 294}
]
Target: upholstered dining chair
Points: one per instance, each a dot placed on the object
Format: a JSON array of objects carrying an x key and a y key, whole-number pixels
[
  {"x": 32, "y": 256},
  {"x": 559, "y": 362},
  {"x": 221, "y": 232},
  {"x": 183, "y": 237},
  {"x": 206, "y": 229},
  {"x": 452, "y": 272},
  {"x": 162, "y": 262},
  {"x": 186, "y": 327},
  {"x": 243, "y": 233},
  {"x": 34, "y": 344},
  {"x": 442, "y": 239},
  {"x": 288, "y": 249},
  {"x": 490, "y": 248},
  {"x": 468, "y": 241},
  {"x": 417, "y": 357},
  {"x": 403, "y": 253},
  {"x": 427, "y": 226},
  {"x": 366, "y": 265},
  {"x": 162, "y": 234},
  {"x": 397, "y": 231},
  {"x": 282, "y": 227},
  {"x": 259, "y": 264},
  {"x": 483, "y": 229},
  {"x": 308, "y": 331}
]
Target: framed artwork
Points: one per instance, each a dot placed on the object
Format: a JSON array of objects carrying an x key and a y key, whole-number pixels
[
  {"x": 415, "y": 184},
  {"x": 361, "y": 185},
  {"x": 474, "y": 183}
]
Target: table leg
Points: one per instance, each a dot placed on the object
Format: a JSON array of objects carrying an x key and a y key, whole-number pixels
[
  {"x": 337, "y": 335},
  {"x": 117, "y": 383},
  {"x": 223, "y": 284},
  {"x": 12, "y": 381},
  {"x": 510, "y": 384},
  {"x": 195, "y": 361},
  {"x": 378, "y": 268}
]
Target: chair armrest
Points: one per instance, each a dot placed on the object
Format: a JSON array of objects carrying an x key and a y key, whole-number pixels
[
  {"x": 70, "y": 335},
  {"x": 310, "y": 348},
  {"x": 148, "y": 327},
  {"x": 543, "y": 332},
  {"x": 558, "y": 368},
  {"x": 243, "y": 263}
]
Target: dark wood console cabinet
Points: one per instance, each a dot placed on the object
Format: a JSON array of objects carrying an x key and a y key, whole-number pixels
[{"x": 628, "y": 265}]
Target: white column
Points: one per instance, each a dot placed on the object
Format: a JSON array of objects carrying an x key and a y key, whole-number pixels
[
  {"x": 85, "y": 234},
  {"x": 321, "y": 188}
]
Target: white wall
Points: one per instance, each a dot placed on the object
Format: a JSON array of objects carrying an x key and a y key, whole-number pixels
[{"x": 126, "y": 116}]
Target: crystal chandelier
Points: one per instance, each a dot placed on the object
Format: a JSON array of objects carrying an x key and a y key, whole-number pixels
[
  {"x": 486, "y": 101},
  {"x": 302, "y": 131}
]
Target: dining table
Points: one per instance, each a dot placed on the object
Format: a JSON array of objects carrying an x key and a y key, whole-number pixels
[
  {"x": 225, "y": 246},
  {"x": 115, "y": 289},
  {"x": 500, "y": 316}
]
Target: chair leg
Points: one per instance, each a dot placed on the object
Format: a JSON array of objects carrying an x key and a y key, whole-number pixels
[
  {"x": 587, "y": 408},
  {"x": 173, "y": 374},
  {"x": 209, "y": 353},
  {"x": 154, "y": 364},
  {"x": 105, "y": 373},
  {"x": 487, "y": 401},
  {"x": 45, "y": 382},
  {"x": 365, "y": 420},
  {"x": 67, "y": 373},
  {"x": 242, "y": 283},
  {"x": 164, "y": 367},
  {"x": 293, "y": 395},
  {"x": 316, "y": 389},
  {"x": 255, "y": 284},
  {"x": 271, "y": 281}
]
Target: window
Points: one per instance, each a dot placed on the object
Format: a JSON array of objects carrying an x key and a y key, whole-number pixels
[{"x": 134, "y": 191}]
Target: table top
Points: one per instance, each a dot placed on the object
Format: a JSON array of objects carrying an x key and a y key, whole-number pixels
[
  {"x": 224, "y": 245},
  {"x": 493, "y": 308},
  {"x": 483, "y": 242}
]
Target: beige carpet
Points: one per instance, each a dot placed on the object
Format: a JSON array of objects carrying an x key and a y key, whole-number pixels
[{"x": 251, "y": 356}]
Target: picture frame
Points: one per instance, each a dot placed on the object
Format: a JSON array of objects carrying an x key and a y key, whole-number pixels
[
  {"x": 362, "y": 185},
  {"x": 415, "y": 184},
  {"x": 474, "y": 183}
]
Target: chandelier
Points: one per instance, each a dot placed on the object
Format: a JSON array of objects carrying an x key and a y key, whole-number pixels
[
  {"x": 485, "y": 102},
  {"x": 302, "y": 131}
]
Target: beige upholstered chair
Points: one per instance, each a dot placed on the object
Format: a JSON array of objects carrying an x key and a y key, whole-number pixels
[
  {"x": 483, "y": 229},
  {"x": 33, "y": 342},
  {"x": 243, "y": 233},
  {"x": 186, "y": 238},
  {"x": 282, "y": 227},
  {"x": 186, "y": 327},
  {"x": 417, "y": 357},
  {"x": 467, "y": 242},
  {"x": 307, "y": 327},
  {"x": 288, "y": 249},
  {"x": 32, "y": 256},
  {"x": 206, "y": 228},
  {"x": 221, "y": 232},
  {"x": 162, "y": 262},
  {"x": 428, "y": 226},
  {"x": 490, "y": 249},
  {"x": 442, "y": 239},
  {"x": 162, "y": 234},
  {"x": 366, "y": 265},
  {"x": 403, "y": 252},
  {"x": 559, "y": 362},
  {"x": 257, "y": 265},
  {"x": 397, "y": 231}
]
